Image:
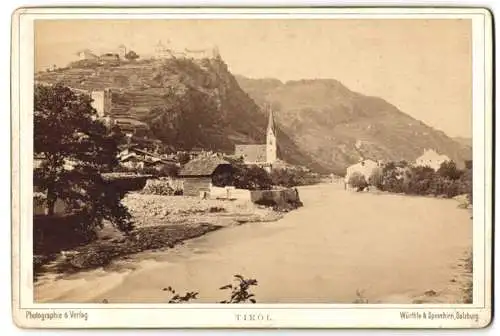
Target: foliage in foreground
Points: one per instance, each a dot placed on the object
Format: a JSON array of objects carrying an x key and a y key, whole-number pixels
[
  {"x": 240, "y": 292},
  {"x": 74, "y": 149}
]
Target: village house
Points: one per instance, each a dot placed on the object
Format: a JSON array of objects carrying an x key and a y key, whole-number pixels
[
  {"x": 198, "y": 175},
  {"x": 135, "y": 158},
  {"x": 261, "y": 155},
  {"x": 430, "y": 158},
  {"x": 365, "y": 167},
  {"x": 131, "y": 161},
  {"x": 86, "y": 55}
]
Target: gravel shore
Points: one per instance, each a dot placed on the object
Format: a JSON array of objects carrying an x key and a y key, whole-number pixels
[{"x": 160, "y": 222}]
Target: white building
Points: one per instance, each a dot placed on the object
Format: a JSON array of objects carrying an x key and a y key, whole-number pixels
[
  {"x": 365, "y": 167},
  {"x": 87, "y": 54},
  {"x": 163, "y": 51},
  {"x": 432, "y": 159},
  {"x": 122, "y": 51}
]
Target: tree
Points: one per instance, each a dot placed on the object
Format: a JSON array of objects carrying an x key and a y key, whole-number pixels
[
  {"x": 131, "y": 55},
  {"x": 448, "y": 169},
  {"x": 249, "y": 177},
  {"x": 289, "y": 177},
  {"x": 75, "y": 148},
  {"x": 358, "y": 181}
]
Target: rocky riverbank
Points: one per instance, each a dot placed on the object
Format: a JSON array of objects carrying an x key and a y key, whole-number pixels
[{"x": 160, "y": 222}]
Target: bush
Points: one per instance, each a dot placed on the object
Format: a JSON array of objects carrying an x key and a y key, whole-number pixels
[
  {"x": 448, "y": 181},
  {"x": 293, "y": 177},
  {"x": 466, "y": 184},
  {"x": 418, "y": 180},
  {"x": 358, "y": 181},
  {"x": 449, "y": 170},
  {"x": 393, "y": 178},
  {"x": 251, "y": 177}
]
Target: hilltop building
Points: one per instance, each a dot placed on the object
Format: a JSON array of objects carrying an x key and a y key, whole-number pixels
[
  {"x": 262, "y": 155},
  {"x": 122, "y": 51},
  {"x": 163, "y": 51},
  {"x": 86, "y": 55},
  {"x": 109, "y": 57},
  {"x": 430, "y": 158}
]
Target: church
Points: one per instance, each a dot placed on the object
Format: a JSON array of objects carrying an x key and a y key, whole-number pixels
[{"x": 261, "y": 155}]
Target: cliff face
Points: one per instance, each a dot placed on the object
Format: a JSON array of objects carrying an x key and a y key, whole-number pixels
[
  {"x": 328, "y": 120},
  {"x": 186, "y": 104}
]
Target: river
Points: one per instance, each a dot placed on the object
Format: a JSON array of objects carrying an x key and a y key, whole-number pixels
[{"x": 390, "y": 248}]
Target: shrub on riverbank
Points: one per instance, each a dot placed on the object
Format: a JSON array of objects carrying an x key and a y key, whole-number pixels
[
  {"x": 448, "y": 181},
  {"x": 288, "y": 177},
  {"x": 357, "y": 181}
]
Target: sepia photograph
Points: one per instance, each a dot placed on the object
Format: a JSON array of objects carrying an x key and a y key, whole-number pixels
[{"x": 258, "y": 160}]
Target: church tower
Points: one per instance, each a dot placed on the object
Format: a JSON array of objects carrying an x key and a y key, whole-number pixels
[{"x": 271, "y": 145}]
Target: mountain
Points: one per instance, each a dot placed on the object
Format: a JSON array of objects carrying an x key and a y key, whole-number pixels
[
  {"x": 185, "y": 103},
  {"x": 188, "y": 103},
  {"x": 329, "y": 121},
  {"x": 466, "y": 142}
]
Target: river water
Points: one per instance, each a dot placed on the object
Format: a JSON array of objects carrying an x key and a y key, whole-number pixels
[{"x": 390, "y": 248}]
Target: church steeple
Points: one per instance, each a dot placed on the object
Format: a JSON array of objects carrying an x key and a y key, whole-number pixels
[
  {"x": 271, "y": 144},
  {"x": 270, "y": 123}
]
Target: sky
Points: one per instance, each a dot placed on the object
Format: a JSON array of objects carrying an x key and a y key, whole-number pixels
[{"x": 424, "y": 67}]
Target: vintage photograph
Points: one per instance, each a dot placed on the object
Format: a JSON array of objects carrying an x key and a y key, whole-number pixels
[{"x": 253, "y": 161}]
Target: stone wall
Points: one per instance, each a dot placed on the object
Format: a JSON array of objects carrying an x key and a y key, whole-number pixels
[{"x": 230, "y": 192}]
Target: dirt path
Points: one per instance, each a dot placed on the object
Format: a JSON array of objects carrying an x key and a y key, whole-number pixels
[{"x": 388, "y": 248}]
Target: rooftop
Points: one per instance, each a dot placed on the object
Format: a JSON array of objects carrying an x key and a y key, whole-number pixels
[{"x": 202, "y": 166}]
